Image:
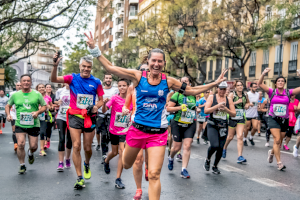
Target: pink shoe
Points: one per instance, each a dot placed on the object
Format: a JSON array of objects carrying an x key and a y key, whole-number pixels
[
  {"x": 45, "y": 146},
  {"x": 286, "y": 147},
  {"x": 68, "y": 163},
  {"x": 48, "y": 145}
]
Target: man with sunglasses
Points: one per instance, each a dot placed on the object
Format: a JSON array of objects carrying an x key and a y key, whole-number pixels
[
  {"x": 251, "y": 114},
  {"x": 14, "y": 116}
]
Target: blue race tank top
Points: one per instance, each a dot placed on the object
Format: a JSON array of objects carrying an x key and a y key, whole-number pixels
[{"x": 150, "y": 103}]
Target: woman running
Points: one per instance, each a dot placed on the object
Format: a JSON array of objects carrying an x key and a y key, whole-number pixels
[
  {"x": 218, "y": 106},
  {"x": 293, "y": 108},
  {"x": 63, "y": 100},
  {"x": 43, "y": 117},
  {"x": 149, "y": 123},
  {"x": 237, "y": 123},
  {"x": 183, "y": 126},
  {"x": 52, "y": 113},
  {"x": 118, "y": 124},
  {"x": 202, "y": 117},
  {"x": 279, "y": 113}
]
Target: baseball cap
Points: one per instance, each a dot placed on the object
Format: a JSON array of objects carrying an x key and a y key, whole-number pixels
[{"x": 223, "y": 85}]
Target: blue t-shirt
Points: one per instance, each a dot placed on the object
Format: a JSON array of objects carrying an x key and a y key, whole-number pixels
[
  {"x": 262, "y": 100},
  {"x": 202, "y": 101}
]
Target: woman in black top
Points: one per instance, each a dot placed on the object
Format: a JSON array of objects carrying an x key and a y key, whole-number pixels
[{"x": 218, "y": 106}]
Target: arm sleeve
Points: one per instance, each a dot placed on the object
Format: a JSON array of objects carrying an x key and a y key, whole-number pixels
[
  {"x": 100, "y": 91},
  {"x": 174, "y": 97},
  {"x": 11, "y": 100},
  {"x": 68, "y": 78},
  {"x": 41, "y": 100},
  {"x": 110, "y": 102},
  {"x": 270, "y": 92}
]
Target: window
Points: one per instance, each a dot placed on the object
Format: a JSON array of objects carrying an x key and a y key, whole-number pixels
[
  {"x": 277, "y": 54},
  {"x": 110, "y": 31},
  {"x": 253, "y": 58},
  {"x": 119, "y": 21},
  {"x": 133, "y": 10},
  {"x": 119, "y": 5},
  {"x": 219, "y": 65},
  {"x": 268, "y": 13},
  {"x": 266, "y": 57},
  {"x": 226, "y": 63},
  {"x": 119, "y": 35},
  {"x": 294, "y": 51},
  {"x": 109, "y": 44}
]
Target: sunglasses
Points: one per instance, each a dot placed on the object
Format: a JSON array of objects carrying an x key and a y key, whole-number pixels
[
  {"x": 143, "y": 69},
  {"x": 222, "y": 88}
]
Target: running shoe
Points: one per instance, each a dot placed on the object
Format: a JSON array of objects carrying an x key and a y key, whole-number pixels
[
  {"x": 3, "y": 125},
  {"x": 252, "y": 142},
  {"x": 224, "y": 153},
  {"x": 185, "y": 174},
  {"x": 79, "y": 184},
  {"x": 258, "y": 134},
  {"x": 281, "y": 167},
  {"x": 1, "y": 132},
  {"x": 93, "y": 144},
  {"x": 285, "y": 147},
  {"x": 106, "y": 168},
  {"x": 22, "y": 169},
  {"x": 267, "y": 144},
  {"x": 146, "y": 174},
  {"x": 241, "y": 160},
  {"x": 30, "y": 158},
  {"x": 205, "y": 142},
  {"x": 15, "y": 147},
  {"x": 119, "y": 184},
  {"x": 138, "y": 195},
  {"x": 60, "y": 167},
  {"x": 170, "y": 165},
  {"x": 98, "y": 147},
  {"x": 206, "y": 165},
  {"x": 103, "y": 158},
  {"x": 295, "y": 151},
  {"x": 245, "y": 143},
  {"x": 43, "y": 153},
  {"x": 179, "y": 157},
  {"x": 216, "y": 170},
  {"x": 48, "y": 145},
  {"x": 270, "y": 156},
  {"x": 198, "y": 141},
  {"x": 87, "y": 174},
  {"x": 68, "y": 163}
]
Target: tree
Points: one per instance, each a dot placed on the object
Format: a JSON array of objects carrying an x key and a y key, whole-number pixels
[
  {"x": 26, "y": 24},
  {"x": 238, "y": 27},
  {"x": 10, "y": 77}
]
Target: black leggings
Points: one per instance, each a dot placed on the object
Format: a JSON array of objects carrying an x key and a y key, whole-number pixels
[
  {"x": 216, "y": 143},
  {"x": 43, "y": 129},
  {"x": 62, "y": 128},
  {"x": 49, "y": 130},
  {"x": 14, "y": 138}
]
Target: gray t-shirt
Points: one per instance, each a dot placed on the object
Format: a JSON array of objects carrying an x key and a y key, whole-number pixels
[
  {"x": 252, "y": 111},
  {"x": 3, "y": 102},
  {"x": 63, "y": 95}
]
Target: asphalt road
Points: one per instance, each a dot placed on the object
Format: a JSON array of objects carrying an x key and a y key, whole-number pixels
[{"x": 256, "y": 180}]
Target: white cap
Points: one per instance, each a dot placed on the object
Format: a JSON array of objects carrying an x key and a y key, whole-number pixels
[{"x": 223, "y": 85}]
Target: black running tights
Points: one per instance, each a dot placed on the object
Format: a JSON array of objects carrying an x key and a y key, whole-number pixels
[
  {"x": 62, "y": 129},
  {"x": 216, "y": 143}
]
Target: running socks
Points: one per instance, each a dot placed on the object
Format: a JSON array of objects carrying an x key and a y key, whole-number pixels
[
  {"x": 23, "y": 164},
  {"x": 251, "y": 137},
  {"x": 29, "y": 152},
  {"x": 245, "y": 139},
  {"x": 171, "y": 158},
  {"x": 80, "y": 177}
]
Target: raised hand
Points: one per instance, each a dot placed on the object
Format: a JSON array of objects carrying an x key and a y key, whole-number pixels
[
  {"x": 55, "y": 58},
  {"x": 221, "y": 77},
  {"x": 90, "y": 41},
  {"x": 266, "y": 71}
]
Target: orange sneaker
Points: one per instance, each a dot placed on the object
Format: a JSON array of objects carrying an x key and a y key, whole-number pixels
[
  {"x": 15, "y": 147},
  {"x": 0, "y": 131}
]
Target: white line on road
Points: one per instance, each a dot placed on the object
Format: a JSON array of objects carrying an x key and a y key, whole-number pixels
[
  {"x": 267, "y": 182},
  {"x": 232, "y": 169}
]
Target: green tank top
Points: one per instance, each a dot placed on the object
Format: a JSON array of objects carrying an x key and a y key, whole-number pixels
[{"x": 236, "y": 98}]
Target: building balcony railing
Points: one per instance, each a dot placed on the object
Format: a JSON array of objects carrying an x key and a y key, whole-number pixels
[
  {"x": 252, "y": 71},
  {"x": 218, "y": 73},
  {"x": 277, "y": 68},
  {"x": 120, "y": 27},
  {"x": 292, "y": 66},
  {"x": 46, "y": 55},
  {"x": 210, "y": 75}
]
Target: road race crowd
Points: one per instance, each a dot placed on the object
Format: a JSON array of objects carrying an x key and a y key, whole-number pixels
[{"x": 147, "y": 111}]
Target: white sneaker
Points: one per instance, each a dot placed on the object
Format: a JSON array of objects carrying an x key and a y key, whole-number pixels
[
  {"x": 267, "y": 144},
  {"x": 295, "y": 151}
]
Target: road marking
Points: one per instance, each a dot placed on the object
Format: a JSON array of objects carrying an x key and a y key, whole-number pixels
[
  {"x": 287, "y": 153},
  {"x": 268, "y": 182},
  {"x": 232, "y": 169}
]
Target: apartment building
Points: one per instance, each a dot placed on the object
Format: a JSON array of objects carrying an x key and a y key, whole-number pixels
[{"x": 112, "y": 21}]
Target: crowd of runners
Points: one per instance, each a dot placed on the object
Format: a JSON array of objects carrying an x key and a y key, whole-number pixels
[{"x": 146, "y": 112}]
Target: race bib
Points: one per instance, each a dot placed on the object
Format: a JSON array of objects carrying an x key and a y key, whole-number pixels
[
  {"x": 26, "y": 118},
  {"x": 279, "y": 109},
  {"x": 63, "y": 110},
  {"x": 42, "y": 116},
  {"x": 2, "y": 108},
  {"x": 187, "y": 117},
  {"x": 255, "y": 103},
  {"x": 84, "y": 100},
  {"x": 220, "y": 115},
  {"x": 201, "y": 118},
  {"x": 122, "y": 120},
  {"x": 239, "y": 114}
]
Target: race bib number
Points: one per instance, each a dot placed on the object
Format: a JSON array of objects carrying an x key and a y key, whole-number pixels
[
  {"x": 201, "y": 118},
  {"x": 239, "y": 114},
  {"x": 84, "y": 100},
  {"x": 122, "y": 120},
  {"x": 2, "y": 108},
  {"x": 187, "y": 117},
  {"x": 42, "y": 116},
  {"x": 255, "y": 103},
  {"x": 279, "y": 109},
  {"x": 63, "y": 110},
  {"x": 26, "y": 119},
  {"x": 220, "y": 115}
]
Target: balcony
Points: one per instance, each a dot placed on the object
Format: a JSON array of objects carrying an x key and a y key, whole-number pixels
[
  {"x": 120, "y": 28},
  {"x": 111, "y": 24},
  {"x": 252, "y": 71},
  {"x": 210, "y": 75},
  {"x": 133, "y": 2},
  {"x": 218, "y": 73},
  {"x": 277, "y": 68},
  {"x": 133, "y": 15},
  {"x": 292, "y": 66}
]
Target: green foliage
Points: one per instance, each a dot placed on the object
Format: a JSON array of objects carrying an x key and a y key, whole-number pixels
[{"x": 10, "y": 77}]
